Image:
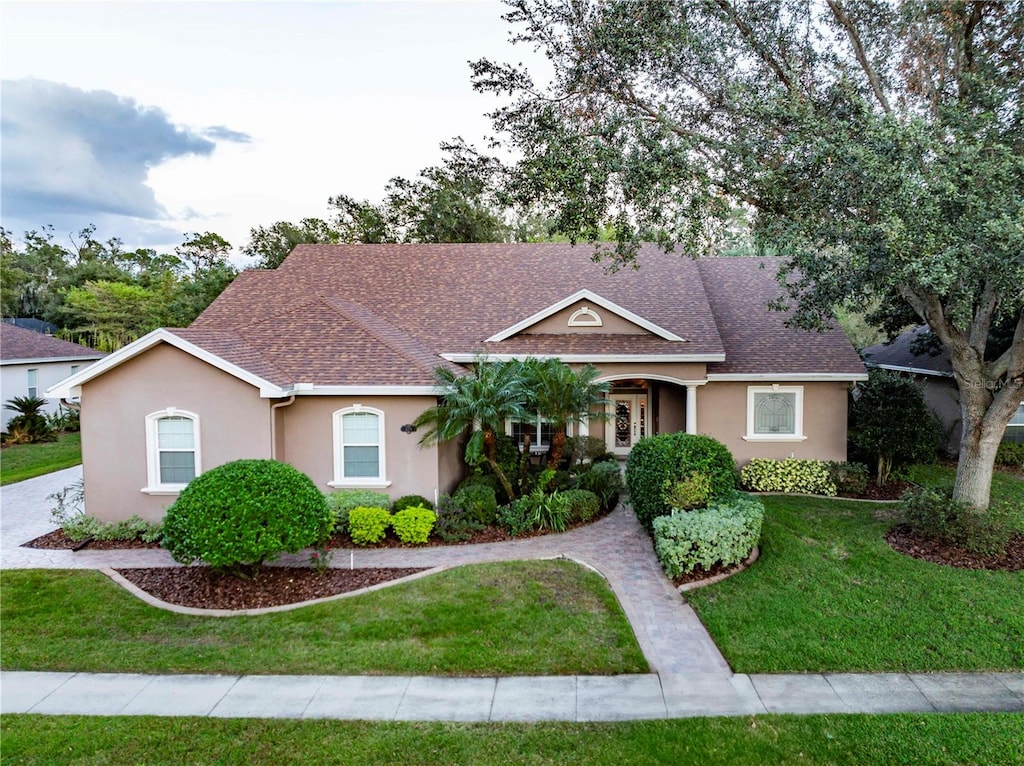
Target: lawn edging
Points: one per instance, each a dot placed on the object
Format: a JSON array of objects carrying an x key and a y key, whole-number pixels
[{"x": 755, "y": 554}]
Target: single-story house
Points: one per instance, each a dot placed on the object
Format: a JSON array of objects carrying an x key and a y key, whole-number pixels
[
  {"x": 326, "y": 361},
  {"x": 909, "y": 354},
  {"x": 31, "y": 362}
]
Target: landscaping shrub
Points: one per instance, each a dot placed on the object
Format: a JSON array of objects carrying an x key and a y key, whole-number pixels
[
  {"x": 535, "y": 511},
  {"x": 240, "y": 514},
  {"x": 605, "y": 481},
  {"x": 80, "y": 526},
  {"x": 891, "y": 424},
  {"x": 507, "y": 457},
  {"x": 477, "y": 503},
  {"x": 367, "y": 525},
  {"x": 934, "y": 512},
  {"x": 343, "y": 501},
  {"x": 723, "y": 533},
  {"x": 655, "y": 460},
  {"x": 413, "y": 524},
  {"x": 693, "y": 491},
  {"x": 789, "y": 475},
  {"x": 849, "y": 478},
  {"x": 582, "y": 505},
  {"x": 581, "y": 450},
  {"x": 452, "y": 525},
  {"x": 480, "y": 479},
  {"x": 1011, "y": 455},
  {"x": 411, "y": 501}
]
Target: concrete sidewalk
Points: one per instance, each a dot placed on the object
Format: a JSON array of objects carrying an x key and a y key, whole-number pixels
[
  {"x": 690, "y": 678},
  {"x": 525, "y": 699}
]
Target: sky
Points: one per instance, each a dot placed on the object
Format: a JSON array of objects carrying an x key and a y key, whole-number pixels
[{"x": 155, "y": 119}]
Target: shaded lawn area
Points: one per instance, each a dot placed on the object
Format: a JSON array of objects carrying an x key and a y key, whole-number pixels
[
  {"x": 992, "y": 739},
  {"x": 25, "y": 461},
  {"x": 512, "y": 618},
  {"x": 828, "y": 594},
  {"x": 1005, "y": 486}
]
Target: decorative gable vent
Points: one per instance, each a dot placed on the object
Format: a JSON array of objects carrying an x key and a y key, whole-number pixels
[{"x": 585, "y": 317}]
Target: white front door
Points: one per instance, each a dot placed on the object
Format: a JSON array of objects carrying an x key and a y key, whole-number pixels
[{"x": 630, "y": 422}]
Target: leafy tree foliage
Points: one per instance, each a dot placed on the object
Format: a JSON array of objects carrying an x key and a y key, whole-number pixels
[
  {"x": 878, "y": 147},
  {"x": 271, "y": 244}
]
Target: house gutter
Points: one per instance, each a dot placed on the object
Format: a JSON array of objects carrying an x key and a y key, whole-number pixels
[{"x": 273, "y": 424}]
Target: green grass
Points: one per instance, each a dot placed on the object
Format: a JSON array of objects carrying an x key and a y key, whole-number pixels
[
  {"x": 25, "y": 461},
  {"x": 513, "y": 618},
  {"x": 829, "y": 595},
  {"x": 1005, "y": 486},
  {"x": 991, "y": 739}
]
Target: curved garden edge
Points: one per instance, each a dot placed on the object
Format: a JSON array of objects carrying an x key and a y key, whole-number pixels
[
  {"x": 755, "y": 554},
  {"x": 821, "y": 497}
]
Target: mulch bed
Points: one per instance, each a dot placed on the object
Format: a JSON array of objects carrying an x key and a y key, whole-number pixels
[
  {"x": 58, "y": 541},
  {"x": 891, "y": 491},
  {"x": 703, "y": 574},
  {"x": 906, "y": 540},
  {"x": 206, "y": 588}
]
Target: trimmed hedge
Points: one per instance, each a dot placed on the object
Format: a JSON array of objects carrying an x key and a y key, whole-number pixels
[
  {"x": 667, "y": 458},
  {"x": 344, "y": 500},
  {"x": 1011, "y": 455},
  {"x": 240, "y": 514},
  {"x": 582, "y": 504},
  {"x": 789, "y": 475},
  {"x": 367, "y": 525},
  {"x": 413, "y": 524},
  {"x": 723, "y": 533}
]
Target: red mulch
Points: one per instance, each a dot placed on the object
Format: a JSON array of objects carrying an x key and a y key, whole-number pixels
[
  {"x": 906, "y": 540},
  {"x": 207, "y": 588}
]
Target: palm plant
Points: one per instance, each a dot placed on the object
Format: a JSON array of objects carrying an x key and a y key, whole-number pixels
[
  {"x": 481, "y": 401},
  {"x": 29, "y": 425},
  {"x": 562, "y": 396}
]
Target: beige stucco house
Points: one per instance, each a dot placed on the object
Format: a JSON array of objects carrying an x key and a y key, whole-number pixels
[{"x": 326, "y": 361}]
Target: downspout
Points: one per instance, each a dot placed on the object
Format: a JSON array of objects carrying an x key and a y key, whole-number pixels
[
  {"x": 76, "y": 406},
  {"x": 273, "y": 424}
]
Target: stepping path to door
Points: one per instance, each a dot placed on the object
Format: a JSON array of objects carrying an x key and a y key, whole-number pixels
[{"x": 689, "y": 675}]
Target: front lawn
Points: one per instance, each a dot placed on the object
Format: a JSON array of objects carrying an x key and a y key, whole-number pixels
[
  {"x": 1005, "y": 486},
  {"x": 991, "y": 739},
  {"x": 829, "y": 595},
  {"x": 513, "y": 618},
  {"x": 25, "y": 461}
]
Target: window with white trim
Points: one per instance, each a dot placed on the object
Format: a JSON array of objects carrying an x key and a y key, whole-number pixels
[
  {"x": 541, "y": 432},
  {"x": 33, "y": 382},
  {"x": 1015, "y": 428},
  {"x": 359, "y": 448},
  {"x": 775, "y": 413},
  {"x": 172, "y": 450}
]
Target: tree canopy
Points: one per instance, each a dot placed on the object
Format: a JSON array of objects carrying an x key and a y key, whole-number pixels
[{"x": 878, "y": 147}]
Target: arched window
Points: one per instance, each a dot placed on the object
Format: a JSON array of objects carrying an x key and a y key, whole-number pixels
[
  {"x": 359, "y": 448},
  {"x": 172, "y": 450}
]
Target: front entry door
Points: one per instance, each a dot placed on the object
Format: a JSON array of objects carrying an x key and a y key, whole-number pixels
[{"x": 630, "y": 422}]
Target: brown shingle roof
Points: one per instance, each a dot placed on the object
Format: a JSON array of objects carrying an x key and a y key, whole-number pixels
[
  {"x": 756, "y": 339},
  {"x": 901, "y": 353},
  {"x": 19, "y": 343},
  {"x": 384, "y": 314}
]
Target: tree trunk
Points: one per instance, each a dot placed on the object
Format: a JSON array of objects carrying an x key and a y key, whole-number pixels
[
  {"x": 491, "y": 452},
  {"x": 978, "y": 447},
  {"x": 557, "y": 448}
]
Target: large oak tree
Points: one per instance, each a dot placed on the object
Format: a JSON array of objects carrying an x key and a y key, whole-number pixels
[{"x": 879, "y": 148}]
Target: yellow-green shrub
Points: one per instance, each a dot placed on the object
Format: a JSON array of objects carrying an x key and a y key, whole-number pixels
[
  {"x": 368, "y": 525},
  {"x": 413, "y": 524},
  {"x": 789, "y": 475}
]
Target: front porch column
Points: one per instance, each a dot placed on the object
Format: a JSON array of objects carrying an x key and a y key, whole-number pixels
[{"x": 691, "y": 409}]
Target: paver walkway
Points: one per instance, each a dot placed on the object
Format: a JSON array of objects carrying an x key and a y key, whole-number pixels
[{"x": 690, "y": 677}]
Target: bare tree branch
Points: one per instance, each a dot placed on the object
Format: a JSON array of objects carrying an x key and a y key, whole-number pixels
[{"x": 858, "y": 49}]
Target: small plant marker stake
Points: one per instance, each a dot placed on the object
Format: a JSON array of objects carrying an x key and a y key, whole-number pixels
[{"x": 351, "y": 560}]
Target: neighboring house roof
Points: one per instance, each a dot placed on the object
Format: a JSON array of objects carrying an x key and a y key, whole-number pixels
[
  {"x": 21, "y": 346},
  {"x": 344, "y": 316},
  {"x": 29, "y": 323},
  {"x": 900, "y": 355}
]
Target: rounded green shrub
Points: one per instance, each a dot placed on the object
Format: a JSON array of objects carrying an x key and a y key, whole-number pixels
[
  {"x": 344, "y": 500},
  {"x": 240, "y": 514},
  {"x": 723, "y": 533},
  {"x": 477, "y": 502},
  {"x": 667, "y": 458},
  {"x": 367, "y": 526},
  {"x": 414, "y": 524},
  {"x": 582, "y": 504},
  {"x": 411, "y": 501}
]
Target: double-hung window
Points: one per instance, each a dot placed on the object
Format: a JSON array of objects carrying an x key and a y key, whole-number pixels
[
  {"x": 172, "y": 450},
  {"x": 775, "y": 413},
  {"x": 33, "y": 383},
  {"x": 359, "y": 448}
]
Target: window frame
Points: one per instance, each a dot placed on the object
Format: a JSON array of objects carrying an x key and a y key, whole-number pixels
[
  {"x": 536, "y": 447},
  {"x": 797, "y": 434},
  {"x": 338, "y": 444},
  {"x": 32, "y": 382},
  {"x": 155, "y": 485}
]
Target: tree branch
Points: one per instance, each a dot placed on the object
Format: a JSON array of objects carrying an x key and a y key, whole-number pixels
[
  {"x": 982, "y": 322},
  {"x": 1011, "y": 362},
  {"x": 858, "y": 48},
  {"x": 748, "y": 35}
]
